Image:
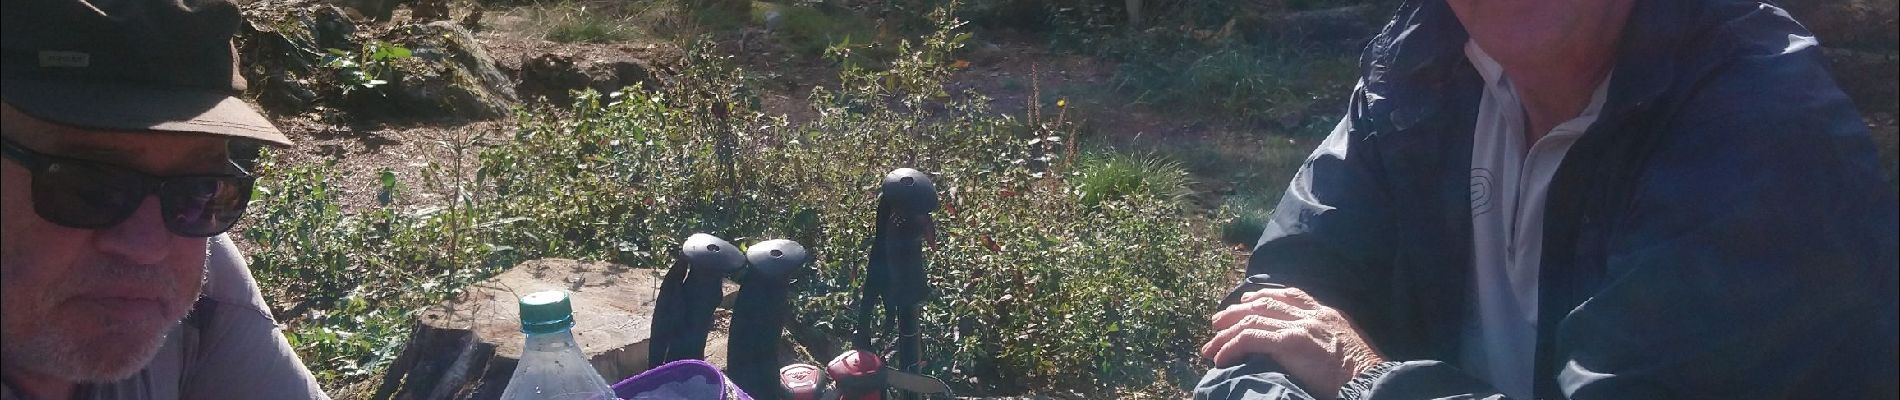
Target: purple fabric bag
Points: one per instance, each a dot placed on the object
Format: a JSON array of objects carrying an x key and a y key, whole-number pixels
[{"x": 683, "y": 379}]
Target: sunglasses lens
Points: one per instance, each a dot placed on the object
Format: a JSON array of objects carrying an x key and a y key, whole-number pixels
[
  {"x": 85, "y": 196},
  {"x": 204, "y": 206}
]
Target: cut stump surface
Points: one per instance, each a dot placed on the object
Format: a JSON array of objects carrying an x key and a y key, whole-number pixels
[{"x": 467, "y": 348}]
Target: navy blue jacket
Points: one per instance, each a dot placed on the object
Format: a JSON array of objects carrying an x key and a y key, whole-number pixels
[{"x": 1722, "y": 231}]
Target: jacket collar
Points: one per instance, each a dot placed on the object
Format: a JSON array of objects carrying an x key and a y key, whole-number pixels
[
  {"x": 1649, "y": 55},
  {"x": 1410, "y": 68}
]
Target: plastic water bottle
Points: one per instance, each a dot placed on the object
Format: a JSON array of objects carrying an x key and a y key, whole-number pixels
[{"x": 552, "y": 366}]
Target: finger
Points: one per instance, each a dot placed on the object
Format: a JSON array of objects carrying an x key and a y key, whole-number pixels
[
  {"x": 1257, "y": 294},
  {"x": 1224, "y": 334},
  {"x": 1293, "y": 296},
  {"x": 1248, "y": 323},
  {"x": 1299, "y": 298},
  {"x": 1270, "y": 308},
  {"x": 1249, "y": 342}
]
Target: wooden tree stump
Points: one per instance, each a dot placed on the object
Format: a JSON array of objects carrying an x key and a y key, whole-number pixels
[{"x": 467, "y": 348}]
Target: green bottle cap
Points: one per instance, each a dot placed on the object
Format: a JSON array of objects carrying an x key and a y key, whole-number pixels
[{"x": 545, "y": 312}]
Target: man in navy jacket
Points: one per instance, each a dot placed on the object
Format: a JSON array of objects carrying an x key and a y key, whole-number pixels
[{"x": 1692, "y": 209}]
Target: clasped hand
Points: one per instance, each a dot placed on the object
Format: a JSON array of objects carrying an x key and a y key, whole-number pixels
[{"x": 1316, "y": 344}]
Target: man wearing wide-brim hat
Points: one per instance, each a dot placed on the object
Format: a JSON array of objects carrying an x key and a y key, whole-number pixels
[{"x": 117, "y": 279}]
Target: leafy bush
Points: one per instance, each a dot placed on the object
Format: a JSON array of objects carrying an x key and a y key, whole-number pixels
[
  {"x": 324, "y": 268},
  {"x": 1034, "y": 289}
]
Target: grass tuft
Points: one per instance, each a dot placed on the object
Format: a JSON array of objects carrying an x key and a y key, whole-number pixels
[
  {"x": 570, "y": 22},
  {"x": 1116, "y": 177}
]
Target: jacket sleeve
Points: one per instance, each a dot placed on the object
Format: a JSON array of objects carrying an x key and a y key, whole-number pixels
[
  {"x": 241, "y": 354},
  {"x": 1325, "y": 236}
]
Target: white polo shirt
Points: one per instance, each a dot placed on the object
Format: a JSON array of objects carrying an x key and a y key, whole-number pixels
[{"x": 1509, "y": 181}]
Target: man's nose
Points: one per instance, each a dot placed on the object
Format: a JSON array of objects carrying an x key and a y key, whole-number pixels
[{"x": 141, "y": 238}]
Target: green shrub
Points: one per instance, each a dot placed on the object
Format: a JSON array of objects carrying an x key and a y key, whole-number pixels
[
  {"x": 1082, "y": 298},
  {"x": 1246, "y": 217},
  {"x": 324, "y": 268},
  {"x": 1033, "y": 288}
]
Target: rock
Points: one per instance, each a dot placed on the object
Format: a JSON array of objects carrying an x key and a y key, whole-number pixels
[
  {"x": 987, "y": 53},
  {"x": 1887, "y": 142},
  {"x": 448, "y": 76},
  {"x": 377, "y": 10},
  {"x": 429, "y": 10},
  {"x": 548, "y": 78},
  {"x": 282, "y": 94},
  {"x": 332, "y": 28},
  {"x": 552, "y": 77},
  {"x": 714, "y": 10},
  {"x": 1860, "y": 24},
  {"x": 1872, "y": 79},
  {"x": 467, "y": 348},
  {"x": 472, "y": 21},
  {"x": 283, "y": 49},
  {"x": 452, "y": 76},
  {"x": 616, "y": 74},
  {"x": 774, "y": 19}
]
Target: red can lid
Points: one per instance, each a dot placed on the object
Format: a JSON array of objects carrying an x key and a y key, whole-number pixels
[{"x": 853, "y": 364}]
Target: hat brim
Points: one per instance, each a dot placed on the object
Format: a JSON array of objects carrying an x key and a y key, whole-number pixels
[{"x": 120, "y": 106}]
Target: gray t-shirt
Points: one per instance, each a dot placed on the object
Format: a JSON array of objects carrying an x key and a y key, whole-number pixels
[{"x": 229, "y": 348}]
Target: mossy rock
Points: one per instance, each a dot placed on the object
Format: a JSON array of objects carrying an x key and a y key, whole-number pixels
[
  {"x": 449, "y": 77},
  {"x": 282, "y": 50}
]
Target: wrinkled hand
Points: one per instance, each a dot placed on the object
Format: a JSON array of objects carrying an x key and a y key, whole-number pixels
[{"x": 1316, "y": 344}]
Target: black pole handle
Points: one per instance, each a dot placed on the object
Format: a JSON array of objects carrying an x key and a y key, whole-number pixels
[
  {"x": 894, "y": 275},
  {"x": 712, "y": 259},
  {"x": 907, "y": 197},
  {"x": 708, "y": 251},
  {"x": 682, "y": 315},
  {"x": 776, "y": 260},
  {"x": 912, "y": 192},
  {"x": 910, "y": 196},
  {"x": 758, "y": 316}
]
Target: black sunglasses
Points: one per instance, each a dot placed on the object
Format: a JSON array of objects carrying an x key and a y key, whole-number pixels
[{"x": 85, "y": 194}]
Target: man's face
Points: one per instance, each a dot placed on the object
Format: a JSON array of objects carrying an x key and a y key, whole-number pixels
[
  {"x": 91, "y": 305},
  {"x": 1539, "y": 32}
]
